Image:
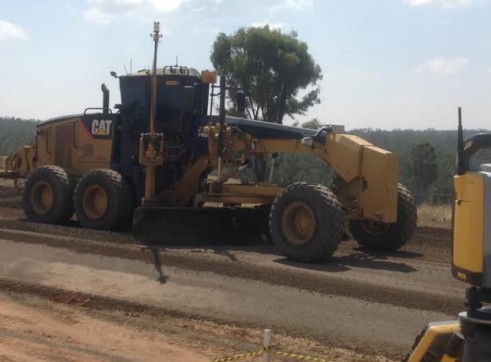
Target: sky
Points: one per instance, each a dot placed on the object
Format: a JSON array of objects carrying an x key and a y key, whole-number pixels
[{"x": 386, "y": 64}]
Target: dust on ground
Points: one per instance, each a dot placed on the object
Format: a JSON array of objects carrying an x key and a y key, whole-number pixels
[{"x": 64, "y": 329}]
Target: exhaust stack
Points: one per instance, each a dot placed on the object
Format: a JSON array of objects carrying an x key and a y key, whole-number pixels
[{"x": 105, "y": 99}]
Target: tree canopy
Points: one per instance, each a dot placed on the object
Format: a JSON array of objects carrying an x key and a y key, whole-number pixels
[
  {"x": 14, "y": 133},
  {"x": 424, "y": 166},
  {"x": 272, "y": 68}
]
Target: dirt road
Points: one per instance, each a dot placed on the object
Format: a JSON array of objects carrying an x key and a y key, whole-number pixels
[{"x": 202, "y": 302}]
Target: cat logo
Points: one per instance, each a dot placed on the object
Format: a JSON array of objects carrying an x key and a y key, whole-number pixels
[{"x": 101, "y": 127}]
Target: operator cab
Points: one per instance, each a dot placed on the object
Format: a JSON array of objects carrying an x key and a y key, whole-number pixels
[{"x": 181, "y": 107}]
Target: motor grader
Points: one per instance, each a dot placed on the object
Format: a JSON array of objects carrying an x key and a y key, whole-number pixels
[{"x": 162, "y": 149}]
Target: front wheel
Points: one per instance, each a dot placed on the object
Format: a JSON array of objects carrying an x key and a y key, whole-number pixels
[
  {"x": 306, "y": 222},
  {"x": 103, "y": 200},
  {"x": 382, "y": 236}
]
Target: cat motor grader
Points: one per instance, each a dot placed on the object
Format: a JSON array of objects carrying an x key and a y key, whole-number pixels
[
  {"x": 466, "y": 339},
  {"x": 163, "y": 151}
]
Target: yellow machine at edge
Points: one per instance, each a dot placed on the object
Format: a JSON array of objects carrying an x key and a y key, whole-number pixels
[{"x": 467, "y": 339}]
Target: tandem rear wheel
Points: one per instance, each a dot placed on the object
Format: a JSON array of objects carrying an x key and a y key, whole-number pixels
[
  {"x": 103, "y": 200},
  {"x": 47, "y": 195},
  {"x": 376, "y": 235}
]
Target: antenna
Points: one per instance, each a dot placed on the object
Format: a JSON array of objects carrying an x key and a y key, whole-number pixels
[
  {"x": 126, "y": 70},
  {"x": 460, "y": 146},
  {"x": 155, "y": 37},
  {"x": 177, "y": 60}
]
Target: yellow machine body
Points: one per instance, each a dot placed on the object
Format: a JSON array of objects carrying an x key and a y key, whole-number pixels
[
  {"x": 370, "y": 174},
  {"x": 76, "y": 147},
  {"x": 438, "y": 341},
  {"x": 468, "y": 338},
  {"x": 472, "y": 228}
]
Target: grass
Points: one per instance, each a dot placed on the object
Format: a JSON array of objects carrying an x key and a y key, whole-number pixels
[{"x": 435, "y": 215}]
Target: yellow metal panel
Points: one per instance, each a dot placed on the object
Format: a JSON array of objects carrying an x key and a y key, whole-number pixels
[
  {"x": 44, "y": 141},
  {"x": 187, "y": 185},
  {"x": 378, "y": 194},
  {"x": 468, "y": 225},
  {"x": 257, "y": 190},
  {"x": 343, "y": 153},
  {"x": 88, "y": 153},
  {"x": 243, "y": 194},
  {"x": 70, "y": 145},
  {"x": 433, "y": 330}
]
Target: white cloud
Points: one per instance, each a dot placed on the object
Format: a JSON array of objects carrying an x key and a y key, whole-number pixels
[
  {"x": 440, "y": 3},
  {"x": 291, "y": 5},
  {"x": 106, "y": 11},
  {"x": 11, "y": 31},
  {"x": 165, "y": 5},
  {"x": 99, "y": 16},
  {"x": 442, "y": 66},
  {"x": 298, "y": 4}
]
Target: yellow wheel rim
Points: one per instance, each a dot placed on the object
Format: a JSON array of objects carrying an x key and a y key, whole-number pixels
[
  {"x": 95, "y": 203},
  {"x": 42, "y": 197},
  {"x": 298, "y": 223}
]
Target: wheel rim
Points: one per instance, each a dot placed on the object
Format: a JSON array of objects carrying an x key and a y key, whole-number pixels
[
  {"x": 374, "y": 228},
  {"x": 95, "y": 202},
  {"x": 42, "y": 197},
  {"x": 298, "y": 223}
]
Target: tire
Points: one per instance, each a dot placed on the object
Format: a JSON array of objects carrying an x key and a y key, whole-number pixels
[
  {"x": 103, "y": 200},
  {"x": 388, "y": 237},
  {"x": 306, "y": 222},
  {"x": 47, "y": 195}
]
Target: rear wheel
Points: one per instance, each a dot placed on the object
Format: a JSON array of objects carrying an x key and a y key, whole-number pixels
[
  {"x": 103, "y": 200},
  {"x": 47, "y": 195},
  {"x": 384, "y": 236},
  {"x": 306, "y": 222}
]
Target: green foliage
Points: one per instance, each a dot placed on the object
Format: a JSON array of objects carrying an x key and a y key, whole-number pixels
[
  {"x": 312, "y": 124},
  {"x": 291, "y": 168},
  {"x": 424, "y": 167},
  {"x": 271, "y": 68},
  {"x": 15, "y": 133}
]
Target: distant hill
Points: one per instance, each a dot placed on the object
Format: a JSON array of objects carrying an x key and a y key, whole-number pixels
[{"x": 14, "y": 133}]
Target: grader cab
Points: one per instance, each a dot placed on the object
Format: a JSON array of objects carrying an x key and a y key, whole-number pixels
[{"x": 163, "y": 150}]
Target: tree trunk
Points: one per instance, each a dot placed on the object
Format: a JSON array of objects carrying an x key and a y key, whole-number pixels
[{"x": 282, "y": 105}]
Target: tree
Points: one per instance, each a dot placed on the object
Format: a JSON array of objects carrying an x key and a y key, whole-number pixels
[
  {"x": 424, "y": 166},
  {"x": 314, "y": 123},
  {"x": 15, "y": 133},
  {"x": 271, "y": 68}
]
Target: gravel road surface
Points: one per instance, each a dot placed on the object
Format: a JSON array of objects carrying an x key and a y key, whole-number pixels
[{"x": 359, "y": 304}]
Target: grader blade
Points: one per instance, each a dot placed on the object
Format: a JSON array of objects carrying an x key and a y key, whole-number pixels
[{"x": 196, "y": 226}]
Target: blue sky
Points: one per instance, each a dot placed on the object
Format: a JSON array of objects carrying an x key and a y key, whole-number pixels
[{"x": 386, "y": 63}]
